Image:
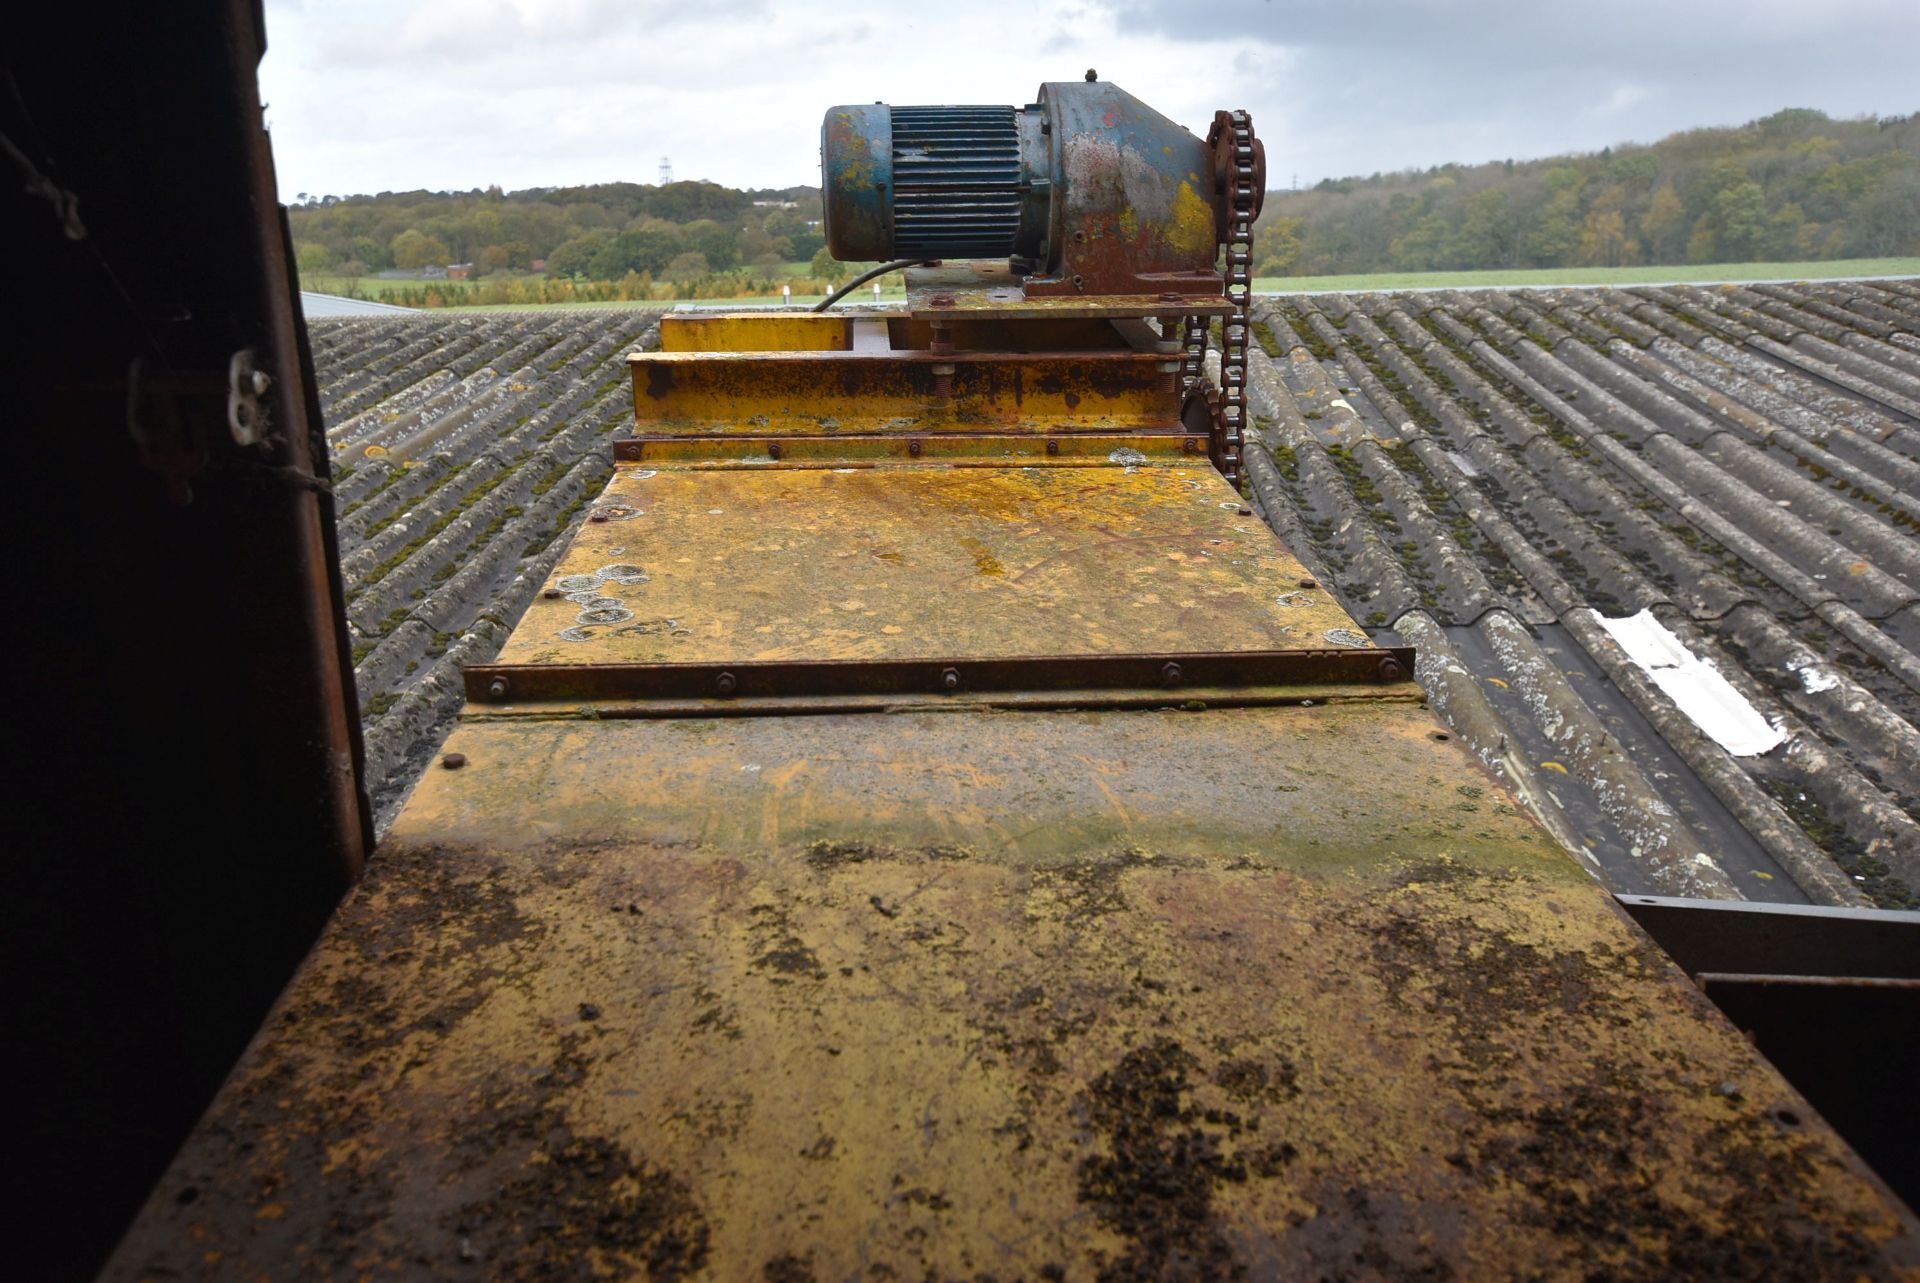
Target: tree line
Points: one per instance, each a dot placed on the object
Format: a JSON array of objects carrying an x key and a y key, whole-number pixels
[
  {"x": 1796, "y": 185},
  {"x": 679, "y": 231}
]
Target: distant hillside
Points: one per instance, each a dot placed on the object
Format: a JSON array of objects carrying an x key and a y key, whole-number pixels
[{"x": 1796, "y": 185}]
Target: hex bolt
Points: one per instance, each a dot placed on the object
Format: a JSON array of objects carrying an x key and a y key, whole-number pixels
[
  {"x": 950, "y": 678},
  {"x": 1053, "y": 447},
  {"x": 773, "y": 450},
  {"x": 1391, "y": 670},
  {"x": 913, "y": 448},
  {"x": 454, "y": 761},
  {"x": 1191, "y": 445},
  {"x": 1170, "y": 673},
  {"x": 498, "y": 688},
  {"x": 726, "y": 683}
]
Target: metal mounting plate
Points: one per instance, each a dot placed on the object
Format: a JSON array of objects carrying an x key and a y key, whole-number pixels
[
  {"x": 908, "y": 561},
  {"x": 966, "y": 290}
]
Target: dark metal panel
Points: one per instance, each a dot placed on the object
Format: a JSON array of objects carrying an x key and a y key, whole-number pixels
[
  {"x": 1780, "y": 939},
  {"x": 185, "y": 807}
]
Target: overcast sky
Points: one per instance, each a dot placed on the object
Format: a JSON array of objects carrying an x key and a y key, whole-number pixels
[{"x": 372, "y": 95}]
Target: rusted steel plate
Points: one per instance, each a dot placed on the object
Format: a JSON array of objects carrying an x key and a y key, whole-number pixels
[
  {"x": 499, "y": 683},
  {"x": 777, "y": 331},
  {"x": 967, "y": 290},
  {"x": 823, "y": 392},
  {"x": 909, "y": 562},
  {"x": 997, "y": 995},
  {"x": 1190, "y": 698},
  {"x": 995, "y": 448}
]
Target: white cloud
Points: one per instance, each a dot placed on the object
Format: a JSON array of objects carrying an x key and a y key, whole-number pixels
[
  {"x": 1625, "y": 96},
  {"x": 367, "y": 95}
]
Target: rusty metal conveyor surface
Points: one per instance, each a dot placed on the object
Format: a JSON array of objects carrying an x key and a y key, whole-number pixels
[{"x": 921, "y": 837}]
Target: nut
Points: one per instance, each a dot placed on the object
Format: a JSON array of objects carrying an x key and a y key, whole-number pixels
[
  {"x": 950, "y": 678},
  {"x": 498, "y": 688},
  {"x": 1391, "y": 670},
  {"x": 1170, "y": 673},
  {"x": 726, "y": 683}
]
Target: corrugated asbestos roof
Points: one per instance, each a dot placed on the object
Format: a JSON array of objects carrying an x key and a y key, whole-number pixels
[
  {"x": 1657, "y": 548},
  {"x": 465, "y": 449},
  {"x": 313, "y": 305}
]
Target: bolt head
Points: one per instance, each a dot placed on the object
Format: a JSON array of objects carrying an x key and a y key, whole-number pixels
[
  {"x": 454, "y": 761},
  {"x": 551, "y": 593},
  {"x": 1309, "y": 583}
]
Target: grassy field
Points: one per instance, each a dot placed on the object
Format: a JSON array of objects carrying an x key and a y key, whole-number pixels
[
  {"x": 1670, "y": 274},
  {"x": 372, "y": 287}
]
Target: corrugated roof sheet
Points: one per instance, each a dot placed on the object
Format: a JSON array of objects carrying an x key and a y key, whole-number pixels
[
  {"x": 1657, "y": 546},
  {"x": 1727, "y": 481},
  {"x": 465, "y": 449}
]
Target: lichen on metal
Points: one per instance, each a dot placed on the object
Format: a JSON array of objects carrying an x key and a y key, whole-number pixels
[{"x": 1028, "y": 995}]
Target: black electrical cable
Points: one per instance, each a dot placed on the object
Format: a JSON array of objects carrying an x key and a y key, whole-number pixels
[{"x": 864, "y": 277}]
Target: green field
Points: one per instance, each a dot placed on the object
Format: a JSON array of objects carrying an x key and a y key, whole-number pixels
[
  {"x": 372, "y": 287},
  {"x": 1670, "y": 274}
]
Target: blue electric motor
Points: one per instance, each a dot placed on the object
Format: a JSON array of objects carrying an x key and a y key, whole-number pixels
[{"x": 1087, "y": 187}]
